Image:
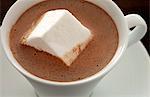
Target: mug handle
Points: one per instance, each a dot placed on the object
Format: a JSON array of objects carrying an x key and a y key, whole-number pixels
[{"x": 140, "y": 29}]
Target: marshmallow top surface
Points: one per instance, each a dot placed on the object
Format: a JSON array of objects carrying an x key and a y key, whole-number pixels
[{"x": 59, "y": 33}]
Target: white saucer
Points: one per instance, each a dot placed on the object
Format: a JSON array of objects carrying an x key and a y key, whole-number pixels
[{"x": 130, "y": 78}]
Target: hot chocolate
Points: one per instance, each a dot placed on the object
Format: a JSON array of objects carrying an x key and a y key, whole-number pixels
[{"x": 92, "y": 59}]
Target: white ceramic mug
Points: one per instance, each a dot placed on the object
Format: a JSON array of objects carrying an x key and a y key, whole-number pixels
[{"x": 80, "y": 88}]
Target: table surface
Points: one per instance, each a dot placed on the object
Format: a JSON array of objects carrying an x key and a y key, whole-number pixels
[{"x": 140, "y": 7}]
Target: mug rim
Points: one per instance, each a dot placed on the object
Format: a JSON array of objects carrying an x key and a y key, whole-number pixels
[{"x": 99, "y": 74}]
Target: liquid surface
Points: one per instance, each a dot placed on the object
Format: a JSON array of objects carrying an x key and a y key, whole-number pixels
[{"x": 94, "y": 58}]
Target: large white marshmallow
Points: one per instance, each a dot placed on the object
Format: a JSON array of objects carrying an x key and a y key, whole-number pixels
[{"x": 60, "y": 34}]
